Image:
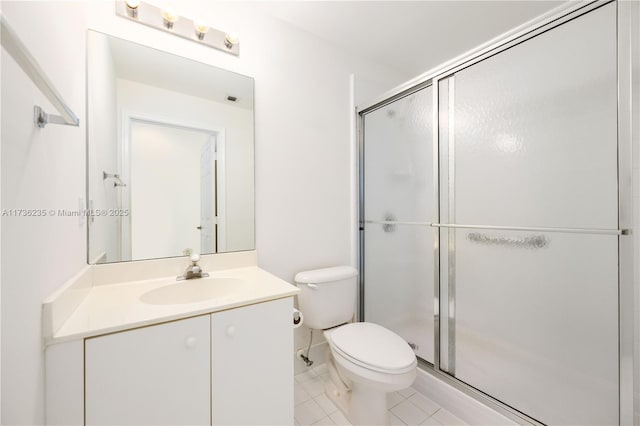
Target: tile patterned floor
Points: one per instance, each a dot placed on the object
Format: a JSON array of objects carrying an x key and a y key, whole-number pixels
[{"x": 406, "y": 407}]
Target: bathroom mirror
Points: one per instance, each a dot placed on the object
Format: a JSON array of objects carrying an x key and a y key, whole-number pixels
[{"x": 169, "y": 154}]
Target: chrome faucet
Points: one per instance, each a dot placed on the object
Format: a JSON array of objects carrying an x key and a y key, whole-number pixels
[{"x": 193, "y": 270}]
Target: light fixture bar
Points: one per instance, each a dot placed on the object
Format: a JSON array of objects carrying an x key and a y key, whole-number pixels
[{"x": 152, "y": 16}]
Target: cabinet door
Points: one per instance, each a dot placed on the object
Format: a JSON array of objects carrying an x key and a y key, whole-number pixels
[
  {"x": 252, "y": 365},
  {"x": 156, "y": 375}
]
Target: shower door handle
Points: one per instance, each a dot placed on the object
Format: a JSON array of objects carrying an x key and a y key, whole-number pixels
[{"x": 534, "y": 242}]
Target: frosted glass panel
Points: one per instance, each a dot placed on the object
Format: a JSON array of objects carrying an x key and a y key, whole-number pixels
[
  {"x": 537, "y": 323},
  {"x": 529, "y": 139},
  {"x": 535, "y": 130},
  {"x": 398, "y": 173},
  {"x": 399, "y": 283},
  {"x": 398, "y": 169}
]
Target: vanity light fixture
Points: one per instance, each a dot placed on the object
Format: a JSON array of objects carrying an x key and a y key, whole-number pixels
[{"x": 167, "y": 19}]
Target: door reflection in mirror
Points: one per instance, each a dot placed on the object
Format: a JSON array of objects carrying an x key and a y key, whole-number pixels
[{"x": 183, "y": 204}]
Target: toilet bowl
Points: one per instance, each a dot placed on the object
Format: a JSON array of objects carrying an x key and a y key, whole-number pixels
[
  {"x": 366, "y": 360},
  {"x": 374, "y": 361}
]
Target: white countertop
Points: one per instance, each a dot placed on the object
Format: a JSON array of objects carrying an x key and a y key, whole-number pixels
[{"x": 116, "y": 307}]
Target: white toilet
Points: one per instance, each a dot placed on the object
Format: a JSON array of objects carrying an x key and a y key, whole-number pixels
[{"x": 367, "y": 360}]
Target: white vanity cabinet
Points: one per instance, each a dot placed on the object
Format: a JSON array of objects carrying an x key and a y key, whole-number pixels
[
  {"x": 157, "y": 375},
  {"x": 252, "y": 365},
  {"x": 229, "y": 367}
]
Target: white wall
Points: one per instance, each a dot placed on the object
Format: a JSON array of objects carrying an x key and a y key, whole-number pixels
[
  {"x": 302, "y": 159},
  {"x": 41, "y": 168}
]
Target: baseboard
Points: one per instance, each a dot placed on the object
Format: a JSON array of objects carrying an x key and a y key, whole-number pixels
[{"x": 472, "y": 411}]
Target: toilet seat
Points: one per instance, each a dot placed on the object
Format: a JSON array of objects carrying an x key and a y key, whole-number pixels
[{"x": 373, "y": 347}]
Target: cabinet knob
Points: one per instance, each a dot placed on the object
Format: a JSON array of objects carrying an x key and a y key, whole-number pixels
[
  {"x": 190, "y": 342},
  {"x": 231, "y": 331}
]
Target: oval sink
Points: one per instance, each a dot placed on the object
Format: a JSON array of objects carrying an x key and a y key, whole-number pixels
[{"x": 193, "y": 291}]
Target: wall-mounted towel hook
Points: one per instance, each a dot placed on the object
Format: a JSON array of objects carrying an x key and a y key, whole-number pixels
[{"x": 115, "y": 177}]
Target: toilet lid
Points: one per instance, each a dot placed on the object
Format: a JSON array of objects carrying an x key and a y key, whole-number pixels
[{"x": 373, "y": 346}]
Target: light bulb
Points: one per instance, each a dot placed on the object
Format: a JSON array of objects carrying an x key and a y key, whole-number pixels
[
  {"x": 230, "y": 39},
  {"x": 201, "y": 29},
  {"x": 169, "y": 16},
  {"x": 132, "y": 7}
]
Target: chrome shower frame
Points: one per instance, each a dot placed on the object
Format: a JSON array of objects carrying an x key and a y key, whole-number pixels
[{"x": 628, "y": 57}]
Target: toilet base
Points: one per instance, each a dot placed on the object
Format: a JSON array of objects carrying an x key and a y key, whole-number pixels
[
  {"x": 361, "y": 404},
  {"x": 336, "y": 389},
  {"x": 368, "y": 406}
]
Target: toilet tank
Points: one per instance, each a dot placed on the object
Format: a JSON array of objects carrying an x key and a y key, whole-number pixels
[{"x": 327, "y": 296}]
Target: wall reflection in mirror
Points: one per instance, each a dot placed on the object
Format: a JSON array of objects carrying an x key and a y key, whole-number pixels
[{"x": 170, "y": 154}]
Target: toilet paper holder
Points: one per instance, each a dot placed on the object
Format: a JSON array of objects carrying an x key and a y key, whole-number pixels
[{"x": 298, "y": 318}]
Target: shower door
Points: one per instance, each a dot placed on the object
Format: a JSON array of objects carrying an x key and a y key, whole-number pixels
[
  {"x": 398, "y": 209},
  {"x": 529, "y": 212},
  {"x": 509, "y": 204}
]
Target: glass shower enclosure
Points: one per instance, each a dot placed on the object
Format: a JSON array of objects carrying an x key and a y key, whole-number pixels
[{"x": 489, "y": 220}]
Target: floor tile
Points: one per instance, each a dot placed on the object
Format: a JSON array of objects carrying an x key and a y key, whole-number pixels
[
  {"x": 325, "y": 421},
  {"x": 406, "y": 407},
  {"x": 424, "y": 403},
  {"x": 447, "y": 419},
  {"x": 308, "y": 413},
  {"x": 307, "y": 375},
  {"x": 407, "y": 392},
  {"x": 320, "y": 369},
  {"x": 431, "y": 422},
  {"x": 324, "y": 377},
  {"x": 393, "y": 399},
  {"x": 395, "y": 421},
  {"x": 314, "y": 387},
  {"x": 325, "y": 403},
  {"x": 409, "y": 413},
  {"x": 299, "y": 394},
  {"x": 339, "y": 419}
]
